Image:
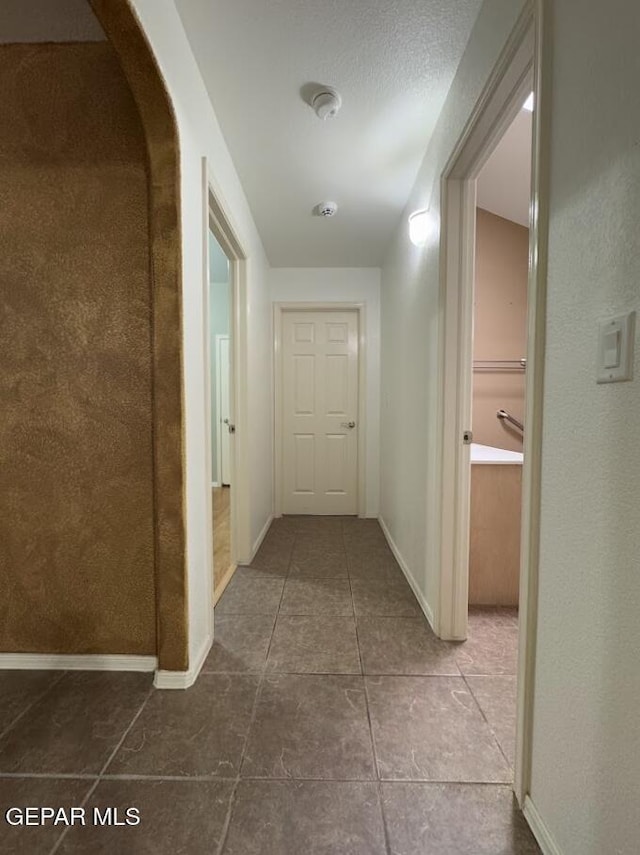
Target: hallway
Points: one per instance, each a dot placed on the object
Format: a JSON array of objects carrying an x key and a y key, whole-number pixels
[{"x": 327, "y": 719}]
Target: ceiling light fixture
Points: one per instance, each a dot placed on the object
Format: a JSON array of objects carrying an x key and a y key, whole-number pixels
[
  {"x": 420, "y": 227},
  {"x": 528, "y": 104},
  {"x": 326, "y": 103}
]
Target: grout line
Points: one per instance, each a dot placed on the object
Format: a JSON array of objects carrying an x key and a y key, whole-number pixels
[
  {"x": 212, "y": 779},
  {"x": 376, "y": 768},
  {"x": 254, "y": 711},
  {"x": 70, "y": 776},
  {"x": 93, "y": 788},
  {"x": 33, "y": 703},
  {"x": 227, "y": 820},
  {"x": 493, "y": 733}
]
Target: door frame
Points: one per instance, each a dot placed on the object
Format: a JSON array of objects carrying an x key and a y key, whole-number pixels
[
  {"x": 278, "y": 311},
  {"x": 216, "y": 221},
  {"x": 522, "y": 67},
  {"x": 220, "y": 338}
]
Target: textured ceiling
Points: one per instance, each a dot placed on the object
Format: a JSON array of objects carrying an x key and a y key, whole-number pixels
[
  {"x": 504, "y": 185},
  {"x": 48, "y": 21},
  {"x": 392, "y": 61}
]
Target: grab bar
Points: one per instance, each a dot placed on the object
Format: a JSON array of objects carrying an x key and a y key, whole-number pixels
[{"x": 507, "y": 417}]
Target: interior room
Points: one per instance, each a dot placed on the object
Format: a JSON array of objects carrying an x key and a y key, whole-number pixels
[
  {"x": 501, "y": 274},
  {"x": 220, "y": 299}
]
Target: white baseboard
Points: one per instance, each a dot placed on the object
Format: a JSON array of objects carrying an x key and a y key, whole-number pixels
[
  {"x": 539, "y": 828},
  {"x": 424, "y": 605},
  {"x": 184, "y": 679},
  {"x": 260, "y": 538},
  {"x": 86, "y": 662}
]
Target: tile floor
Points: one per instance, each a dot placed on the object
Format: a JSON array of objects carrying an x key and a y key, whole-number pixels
[{"x": 328, "y": 719}]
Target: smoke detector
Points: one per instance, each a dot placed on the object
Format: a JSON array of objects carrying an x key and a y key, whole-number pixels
[
  {"x": 326, "y": 103},
  {"x": 326, "y": 209}
]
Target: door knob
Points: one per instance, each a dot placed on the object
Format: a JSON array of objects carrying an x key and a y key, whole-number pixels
[{"x": 349, "y": 425}]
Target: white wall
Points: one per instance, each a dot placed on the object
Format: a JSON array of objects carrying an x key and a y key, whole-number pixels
[
  {"x": 200, "y": 135},
  {"x": 586, "y": 748},
  {"x": 586, "y": 758},
  {"x": 351, "y": 285},
  {"x": 410, "y": 312}
]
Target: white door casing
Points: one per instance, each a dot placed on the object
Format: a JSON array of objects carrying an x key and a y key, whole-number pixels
[
  {"x": 320, "y": 375},
  {"x": 223, "y": 409}
]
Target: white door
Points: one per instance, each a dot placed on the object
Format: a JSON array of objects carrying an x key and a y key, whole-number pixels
[
  {"x": 320, "y": 409},
  {"x": 224, "y": 408}
]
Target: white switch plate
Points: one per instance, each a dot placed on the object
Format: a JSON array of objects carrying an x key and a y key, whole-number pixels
[{"x": 616, "y": 339}]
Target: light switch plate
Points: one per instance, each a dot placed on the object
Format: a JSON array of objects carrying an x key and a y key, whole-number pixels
[{"x": 616, "y": 339}]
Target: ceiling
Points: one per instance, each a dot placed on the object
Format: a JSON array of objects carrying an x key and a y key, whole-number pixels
[
  {"x": 48, "y": 21},
  {"x": 504, "y": 185},
  {"x": 391, "y": 60}
]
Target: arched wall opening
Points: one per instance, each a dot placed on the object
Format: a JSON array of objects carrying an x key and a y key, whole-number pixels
[{"x": 93, "y": 545}]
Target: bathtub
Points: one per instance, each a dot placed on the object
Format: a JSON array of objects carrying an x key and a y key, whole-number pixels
[
  {"x": 497, "y": 456},
  {"x": 494, "y": 542}
]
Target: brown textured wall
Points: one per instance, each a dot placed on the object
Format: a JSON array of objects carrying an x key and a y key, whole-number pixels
[
  {"x": 500, "y": 326},
  {"x": 76, "y": 478}
]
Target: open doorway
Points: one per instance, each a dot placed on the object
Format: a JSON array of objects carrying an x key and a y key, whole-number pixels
[
  {"x": 499, "y": 332},
  {"x": 516, "y": 75},
  {"x": 222, "y": 427}
]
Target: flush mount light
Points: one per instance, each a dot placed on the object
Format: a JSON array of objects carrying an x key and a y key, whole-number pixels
[
  {"x": 420, "y": 225},
  {"x": 528, "y": 104}
]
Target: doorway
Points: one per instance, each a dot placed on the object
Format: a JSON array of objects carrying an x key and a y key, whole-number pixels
[
  {"x": 517, "y": 74},
  {"x": 319, "y": 385},
  {"x": 222, "y": 427},
  {"x": 227, "y": 479}
]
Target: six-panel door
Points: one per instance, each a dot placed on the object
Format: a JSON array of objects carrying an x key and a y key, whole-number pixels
[{"x": 320, "y": 402}]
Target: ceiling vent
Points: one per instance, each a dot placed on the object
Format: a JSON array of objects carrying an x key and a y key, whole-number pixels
[
  {"x": 326, "y": 103},
  {"x": 326, "y": 209}
]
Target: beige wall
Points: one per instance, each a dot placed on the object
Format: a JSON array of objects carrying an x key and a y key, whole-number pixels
[
  {"x": 500, "y": 326},
  {"x": 76, "y": 492}
]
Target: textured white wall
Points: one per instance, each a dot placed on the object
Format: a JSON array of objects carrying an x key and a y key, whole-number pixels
[
  {"x": 586, "y": 758},
  {"x": 200, "y": 135},
  {"x": 354, "y": 285},
  {"x": 410, "y": 286}
]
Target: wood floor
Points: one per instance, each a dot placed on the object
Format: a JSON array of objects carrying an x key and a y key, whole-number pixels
[{"x": 222, "y": 568}]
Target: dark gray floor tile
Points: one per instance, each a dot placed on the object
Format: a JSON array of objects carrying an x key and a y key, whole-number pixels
[
  {"x": 309, "y": 726},
  {"x": 74, "y": 728},
  {"x": 370, "y": 561},
  {"x": 20, "y": 689},
  {"x": 240, "y": 643},
  {"x": 314, "y": 644},
  {"x": 455, "y": 819},
  {"x": 497, "y": 699},
  {"x": 492, "y": 643},
  {"x": 284, "y": 525},
  {"x": 274, "y": 554},
  {"x": 310, "y": 596},
  {"x": 363, "y": 533},
  {"x": 247, "y": 571},
  {"x": 36, "y": 792},
  {"x": 430, "y": 729},
  {"x": 249, "y": 595},
  {"x": 176, "y": 817},
  {"x": 318, "y": 559},
  {"x": 388, "y": 595},
  {"x": 327, "y": 527},
  {"x": 311, "y": 817},
  {"x": 404, "y": 646},
  {"x": 199, "y": 731}
]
